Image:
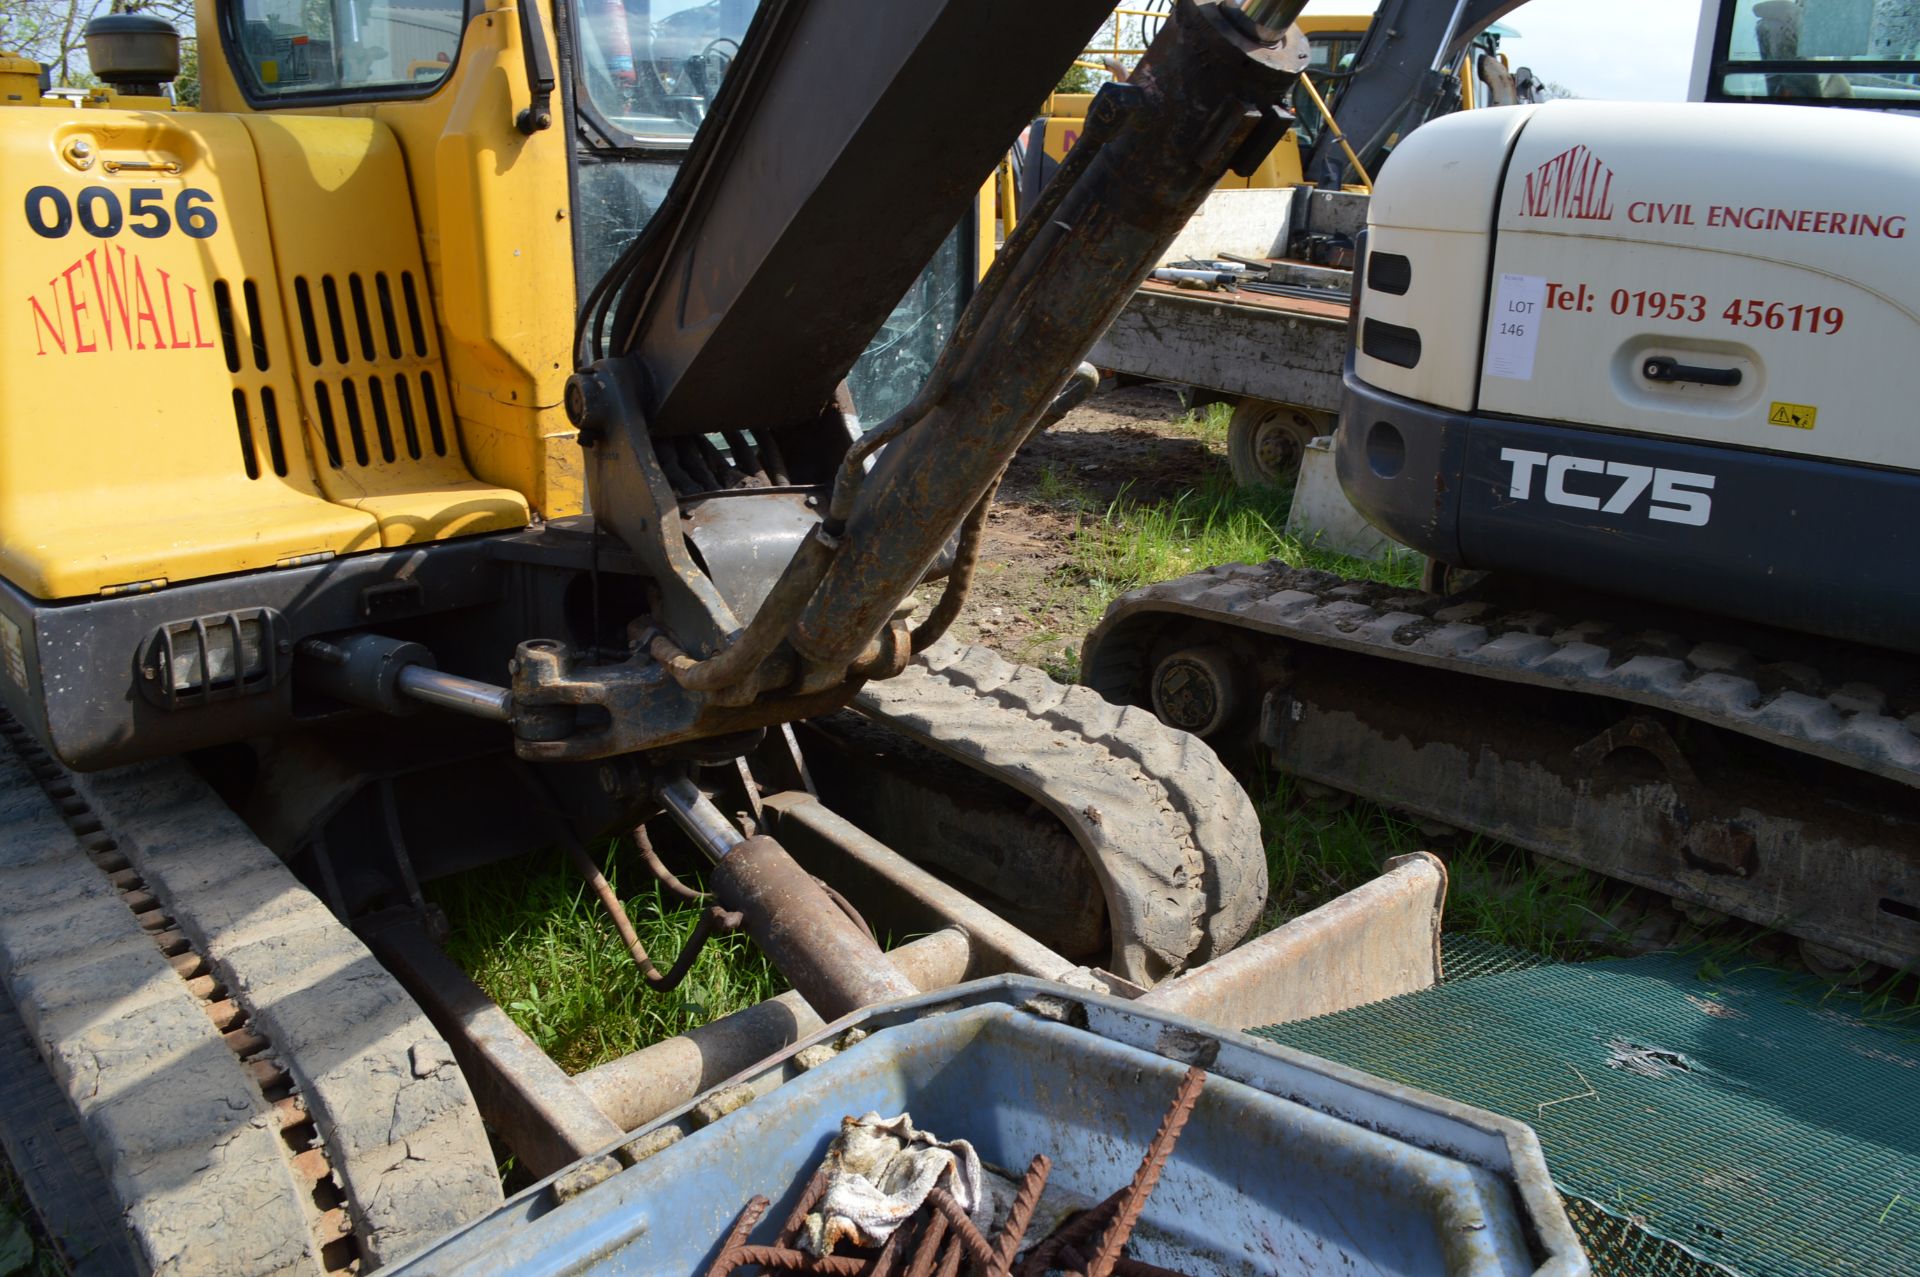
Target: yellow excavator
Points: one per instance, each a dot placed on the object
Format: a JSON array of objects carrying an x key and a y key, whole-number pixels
[
  {"x": 477, "y": 428},
  {"x": 1471, "y": 74}
]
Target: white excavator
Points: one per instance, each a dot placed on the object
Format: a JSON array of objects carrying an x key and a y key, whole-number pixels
[{"x": 1636, "y": 379}]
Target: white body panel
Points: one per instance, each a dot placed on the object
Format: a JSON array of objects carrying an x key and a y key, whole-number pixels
[
  {"x": 1652, "y": 224},
  {"x": 1432, "y": 203},
  {"x": 1703, "y": 50}
]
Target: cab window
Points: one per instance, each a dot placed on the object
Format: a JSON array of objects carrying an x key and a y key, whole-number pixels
[
  {"x": 1826, "y": 51},
  {"x": 652, "y": 66},
  {"x": 344, "y": 48}
]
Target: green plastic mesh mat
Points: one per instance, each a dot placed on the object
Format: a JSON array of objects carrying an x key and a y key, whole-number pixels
[{"x": 1695, "y": 1125}]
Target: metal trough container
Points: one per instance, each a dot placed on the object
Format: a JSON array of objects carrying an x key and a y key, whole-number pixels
[{"x": 1290, "y": 1164}]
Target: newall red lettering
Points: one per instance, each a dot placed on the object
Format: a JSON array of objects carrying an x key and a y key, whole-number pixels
[
  {"x": 109, "y": 302},
  {"x": 1572, "y": 184}
]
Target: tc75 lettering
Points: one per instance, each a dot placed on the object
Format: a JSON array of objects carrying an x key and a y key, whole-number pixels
[{"x": 1615, "y": 487}]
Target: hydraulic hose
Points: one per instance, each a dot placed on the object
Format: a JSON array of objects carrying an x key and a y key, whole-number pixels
[{"x": 1086, "y": 378}]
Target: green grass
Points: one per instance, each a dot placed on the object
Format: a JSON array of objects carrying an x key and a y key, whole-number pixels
[
  {"x": 1497, "y": 893},
  {"x": 1208, "y": 425},
  {"x": 1133, "y": 543},
  {"x": 533, "y": 935},
  {"x": 1062, "y": 490}
]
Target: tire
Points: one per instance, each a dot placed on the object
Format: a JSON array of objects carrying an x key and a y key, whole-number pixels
[{"x": 1265, "y": 441}]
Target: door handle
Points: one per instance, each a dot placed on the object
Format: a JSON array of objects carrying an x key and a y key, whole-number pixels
[{"x": 1661, "y": 368}]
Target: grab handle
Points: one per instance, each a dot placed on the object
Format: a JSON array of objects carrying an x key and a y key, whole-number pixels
[{"x": 1661, "y": 368}]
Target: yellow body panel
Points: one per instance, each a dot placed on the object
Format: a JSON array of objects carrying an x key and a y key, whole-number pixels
[
  {"x": 492, "y": 210},
  {"x": 493, "y": 204},
  {"x": 126, "y": 439},
  {"x": 368, "y": 350},
  {"x": 233, "y": 315},
  {"x": 371, "y": 379},
  {"x": 1065, "y": 119}
]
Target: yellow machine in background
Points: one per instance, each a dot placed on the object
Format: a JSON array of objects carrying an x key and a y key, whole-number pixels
[{"x": 1332, "y": 37}]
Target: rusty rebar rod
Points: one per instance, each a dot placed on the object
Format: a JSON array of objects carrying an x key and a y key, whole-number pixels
[
  {"x": 749, "y": 1216},
  {"x": 1073, "y": 1261},
  {"x": 790, "y": 1260},
  {"x": 1127, "y": 1214},
  {"x": 1020, "y": 1215},
  {"x": 928, "y": 1250},
  {"x": 809, "y": 1198},
  {"x": 964, "y": 1230},
  {"x": 890, "y": 1253},
  {"x": 1072, "y": 1233},
  {"x": 938, "y": 1239}
]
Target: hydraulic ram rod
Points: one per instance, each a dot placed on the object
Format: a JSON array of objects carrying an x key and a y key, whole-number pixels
[{"x": 822, "y": 952}]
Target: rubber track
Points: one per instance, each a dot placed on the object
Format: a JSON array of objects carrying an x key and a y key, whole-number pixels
[
  {"x": 1171, "y": 835},
  {"x": 394, "y": 1113},
  {"x": 1713, "y": 683},
  {"x": 51, "y": 1157},
  {"x": 191, "y": 1146},
  {"x": 375, "y": 1121}
]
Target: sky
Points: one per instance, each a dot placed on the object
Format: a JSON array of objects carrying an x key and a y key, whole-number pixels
[{"x": 1640, "y": 49}]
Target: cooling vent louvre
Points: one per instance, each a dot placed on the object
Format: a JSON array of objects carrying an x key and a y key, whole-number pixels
[
  {"x": 256, "y": 413},
  {"x": 365, "y": 339},
  {"x": 266, "y": 410}
]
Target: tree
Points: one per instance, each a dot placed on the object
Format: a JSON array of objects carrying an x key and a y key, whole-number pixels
[
  {"x": 186, "y": 89},
  {"x": 51, "y": 32},
  {"x": 1078, "y": 79}
]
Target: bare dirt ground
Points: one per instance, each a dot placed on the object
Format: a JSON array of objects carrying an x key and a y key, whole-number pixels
[{"x": 1138, "y": 440}]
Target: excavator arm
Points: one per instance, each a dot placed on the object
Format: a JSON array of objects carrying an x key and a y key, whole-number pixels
[
  {"x": 797, "y": 221},
  {"x": 793, "y": 227},
  {"x": 1399, "y": 76}
]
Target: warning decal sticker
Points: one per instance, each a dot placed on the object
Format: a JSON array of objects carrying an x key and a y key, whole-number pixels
[{"x": 1795, "y": 416}]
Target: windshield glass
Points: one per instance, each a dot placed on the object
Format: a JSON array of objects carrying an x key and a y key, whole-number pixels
[
  {"x": 1823, "y": 50},
  {"x": 289, "y": 48},
  {"x": 652, "y": 66}
]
